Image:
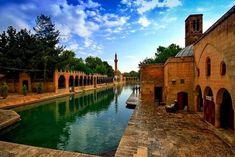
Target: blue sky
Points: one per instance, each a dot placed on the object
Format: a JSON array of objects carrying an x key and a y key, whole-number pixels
[{"x": 132, "y": 28}]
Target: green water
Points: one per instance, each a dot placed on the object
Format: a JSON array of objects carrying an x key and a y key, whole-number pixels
[{"x": 92, "y": 122}]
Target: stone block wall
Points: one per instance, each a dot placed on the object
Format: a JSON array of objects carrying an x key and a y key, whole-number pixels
[
  {"x": 179, "y": 77},
  {"x": 218, "y": 44},
  {"x": 151, "y": 76}
]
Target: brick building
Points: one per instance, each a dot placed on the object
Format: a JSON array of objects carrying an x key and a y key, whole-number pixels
[{"x": 202, "y": 75}]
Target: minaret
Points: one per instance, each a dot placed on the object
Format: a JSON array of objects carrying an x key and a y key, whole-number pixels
[{"x": 115, "y": 62}]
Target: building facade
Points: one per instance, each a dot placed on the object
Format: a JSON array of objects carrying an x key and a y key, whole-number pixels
[{"x": 201, "y": 77}]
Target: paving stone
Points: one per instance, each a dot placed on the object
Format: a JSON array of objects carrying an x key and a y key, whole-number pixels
[{"x": 167, "y": 134}]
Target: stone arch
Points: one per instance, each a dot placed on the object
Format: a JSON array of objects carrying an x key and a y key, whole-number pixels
[
  {"x": 204, "y": 48},
  {"x": 71, "y": 81},
  {"x": 209, "y": 106},
  {"x": 95, "y": 81},
  {"x": 91, "y": 80},
  {"x": 81, "y": 81},
  {"x": 85, "y": 80},
  {"x": 182, "y": 100},
  {"x": 199, "y": 99},
  {"x": 61, "y": 82},
  {"x": 225, "y": 109},
  {"x": 76, "y": 81}
]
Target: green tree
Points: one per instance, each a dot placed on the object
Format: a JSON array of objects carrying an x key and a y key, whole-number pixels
[
  {"x": 66, "y": 60},
  {"x": 162, "y": 54},
  {"x": 47, "y": 38}
]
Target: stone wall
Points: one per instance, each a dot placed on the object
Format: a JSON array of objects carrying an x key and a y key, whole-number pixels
[
  {"x": 218, "y": 44},
  {"x": 151, "y": 76},
  {"x": 179, "y": 77}
]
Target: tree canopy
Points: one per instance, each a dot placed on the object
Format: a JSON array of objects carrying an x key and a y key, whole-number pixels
[
  {"x": 162, "y": 54},
  {"x": 131, "y": 74},
  {"x": 40, "y": 51}
]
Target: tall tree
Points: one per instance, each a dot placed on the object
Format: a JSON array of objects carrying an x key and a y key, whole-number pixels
[{"x": 48, "y": 39}]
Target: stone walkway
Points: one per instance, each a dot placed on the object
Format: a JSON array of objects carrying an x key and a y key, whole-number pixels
[
  {"x": 19, "y": 150},
  {"x": 153, "y": 132},
  {"x": 7, "y": 118}
]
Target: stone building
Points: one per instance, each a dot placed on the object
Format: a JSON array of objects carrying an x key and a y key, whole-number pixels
[
  {"x": 60, "y": 81},
  {"x": 202, "y": 75}
]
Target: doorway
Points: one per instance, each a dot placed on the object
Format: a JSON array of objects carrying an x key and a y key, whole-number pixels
[
  {"x": 182, "y": 100},
  {"x": 158, "y": 94},
  {"x": 226, "y": 111}
]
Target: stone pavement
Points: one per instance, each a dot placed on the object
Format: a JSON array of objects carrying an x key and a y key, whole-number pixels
[
  {"x": 18, "y": 150},
  {"x": 15, "y": 100},
  {"x": 7, "y": 118},
  {"x": 153, "y": 132}
]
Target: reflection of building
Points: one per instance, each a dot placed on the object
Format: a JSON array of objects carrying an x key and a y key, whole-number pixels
[
  {"x": 201, "y": 76},
  {"x": 118, "y": 77}
]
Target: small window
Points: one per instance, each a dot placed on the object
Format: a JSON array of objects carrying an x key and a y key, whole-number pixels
[
  {"x": 181, "y": 81},
  {"x": 208, "y": 66},
  {"x": 222, "y": 68},
  {"x": 197, "y": 23},
  {"x": 198, "y": 72},
  {"x": 194, "y": 25}
]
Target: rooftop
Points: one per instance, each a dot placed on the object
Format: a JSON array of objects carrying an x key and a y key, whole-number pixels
[{"x": 187, "y": 51}]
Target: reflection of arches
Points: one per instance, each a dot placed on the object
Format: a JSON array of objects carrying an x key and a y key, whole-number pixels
[
  {"x": 209, "y": 106},
  {"x": 81, "y": 81},
  {"x": 62, "y": 108},
  {"x": 182, "y": 99},
  {"x": 199, "y": 99},
  {"x": 71, "y": 82},
  {"x": 76, "y": 81},
  {"x": 224, "y": 101},
  {"x": 61, "y": 82}
]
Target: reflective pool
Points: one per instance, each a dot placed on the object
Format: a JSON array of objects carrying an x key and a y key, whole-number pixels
[{"x": 91, "y": 122}]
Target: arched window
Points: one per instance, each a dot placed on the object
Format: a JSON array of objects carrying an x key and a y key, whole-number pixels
[
  {"x": 222, "y": 68},
  {"x": 198, "y": 72},
  {"x": 208, "y": 66}
]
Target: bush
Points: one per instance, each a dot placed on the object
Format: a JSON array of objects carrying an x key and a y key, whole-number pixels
[
  {"x": 39, "y": 88},
  {"x": 4, "y": 90},
  {"x": 24, "y": 90}
]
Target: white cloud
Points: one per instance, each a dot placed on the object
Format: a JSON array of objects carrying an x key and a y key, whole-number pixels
[
  {"x": 72, "y": 46},
  {"x": 148, "y": 5},
  {"x": 144, "y": 21},
  {"x": 10, "y": 17},
  {"x": 143, "y": 6},
  {"x": 111, "y": 20},
  {"x": 172, "y": 3},
  {"x": 111, "y": 38},
  {"x": 88, "y": 42}
]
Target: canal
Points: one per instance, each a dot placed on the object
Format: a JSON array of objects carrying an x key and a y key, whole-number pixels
[{"x": 91, "y": 122}]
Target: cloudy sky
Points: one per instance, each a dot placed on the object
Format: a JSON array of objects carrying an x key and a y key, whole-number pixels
[{"x": 132, "y": 28}]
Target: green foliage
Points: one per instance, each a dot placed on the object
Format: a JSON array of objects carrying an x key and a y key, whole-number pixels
[
  {"x": 4, "y": 90},
  {"x": 24, "y": 90},
  {"x": 131, "y": 74},
  {"x": 162, "y": 54},
  {"x": 39, "y": 88}
]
